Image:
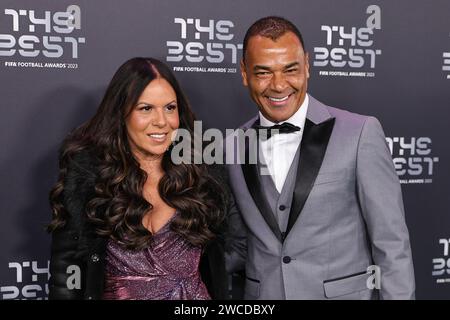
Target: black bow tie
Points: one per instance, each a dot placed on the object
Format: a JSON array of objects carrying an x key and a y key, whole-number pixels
[{"x": 285, "y": 127}]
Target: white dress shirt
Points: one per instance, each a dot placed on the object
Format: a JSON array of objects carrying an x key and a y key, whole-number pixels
[{"x": 278, "y": 152}]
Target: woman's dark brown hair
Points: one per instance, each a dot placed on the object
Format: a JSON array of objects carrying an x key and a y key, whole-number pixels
[{"x": 118, "y": 207}]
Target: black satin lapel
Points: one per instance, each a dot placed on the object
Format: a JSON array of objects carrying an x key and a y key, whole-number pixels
[
  {"x": 254, "y": 186},
  {"x": 312, "y": 151}
]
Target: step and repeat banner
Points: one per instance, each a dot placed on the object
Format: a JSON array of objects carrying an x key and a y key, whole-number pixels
[{"x": 388, "y": 59}]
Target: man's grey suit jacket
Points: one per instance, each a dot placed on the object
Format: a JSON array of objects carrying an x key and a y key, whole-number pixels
[{"x": 347, "y": 214}]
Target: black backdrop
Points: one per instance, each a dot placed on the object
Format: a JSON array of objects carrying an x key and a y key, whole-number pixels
[{"x": 389, "y": 59}]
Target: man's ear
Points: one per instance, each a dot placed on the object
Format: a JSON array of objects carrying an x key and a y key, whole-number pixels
[
  {"x": 243, "y": 73},
  {"x": 307, "y": 64}
]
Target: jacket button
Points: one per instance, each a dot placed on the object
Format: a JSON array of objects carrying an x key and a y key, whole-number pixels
[
  {"x": 286, "y": 259},
  {"x": 95, "y": 258},
  {"x": 282, "y": 207}
]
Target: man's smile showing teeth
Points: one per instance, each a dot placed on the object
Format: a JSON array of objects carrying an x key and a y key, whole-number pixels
[{"x": 279, "y": 99}]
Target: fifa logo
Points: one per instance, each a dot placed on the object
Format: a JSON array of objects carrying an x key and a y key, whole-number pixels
[
  {"x": 441, "y": 266},
  {"x": 412, "y": 157},
  {"x": 200, "y": 41},
  {"x": 35, "y": 286},
  {"x": 350, "y": 47},
  {"x": 56, "y": 29},
  {"x": 446, "y": 64}
]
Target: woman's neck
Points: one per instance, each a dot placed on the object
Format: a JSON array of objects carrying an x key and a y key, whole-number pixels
[{"x": 152, "y": 165}]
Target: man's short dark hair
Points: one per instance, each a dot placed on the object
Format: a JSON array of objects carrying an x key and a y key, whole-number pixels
[{"x": 271, "y": 27}]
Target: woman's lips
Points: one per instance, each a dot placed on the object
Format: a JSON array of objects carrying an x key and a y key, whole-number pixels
[{"x": 158, "y": 137}]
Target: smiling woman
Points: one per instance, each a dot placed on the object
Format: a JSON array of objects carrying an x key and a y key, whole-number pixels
[
  {"x": 135, "y": 224},
  {"x": 153, "y": 121}
]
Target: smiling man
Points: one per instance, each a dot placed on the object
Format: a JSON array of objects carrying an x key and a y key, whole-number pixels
[
  {"x": 330, "y": 210},
  {"x": 276, "y": 73}
]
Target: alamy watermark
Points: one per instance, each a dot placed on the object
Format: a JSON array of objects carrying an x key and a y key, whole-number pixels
[{"x": 237, "y": 146}]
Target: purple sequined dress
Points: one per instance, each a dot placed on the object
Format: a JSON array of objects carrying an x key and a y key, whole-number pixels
[{"x": 166, "y": 270}]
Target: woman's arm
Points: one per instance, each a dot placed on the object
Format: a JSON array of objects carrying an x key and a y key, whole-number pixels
[{"x": 67, "y": 266}]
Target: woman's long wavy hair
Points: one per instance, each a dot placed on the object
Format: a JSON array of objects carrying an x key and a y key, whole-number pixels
[{"x": 118, "y": 207}]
